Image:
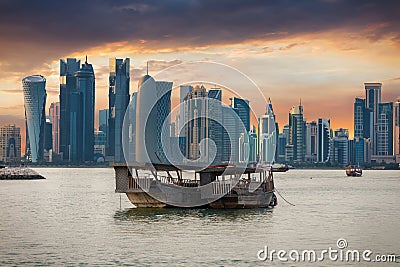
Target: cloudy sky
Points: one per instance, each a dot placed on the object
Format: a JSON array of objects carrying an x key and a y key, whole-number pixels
[{"x": 320, "y": 51}]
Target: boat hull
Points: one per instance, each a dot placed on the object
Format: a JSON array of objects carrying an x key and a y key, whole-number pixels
[{"x": 229, "y": 201}]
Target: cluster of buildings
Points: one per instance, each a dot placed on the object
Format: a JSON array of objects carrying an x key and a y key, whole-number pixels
[
  {"x": 204, "y": 130},
  {"x": 376, "y": 135},
  {"x": 67, "y": 132}
]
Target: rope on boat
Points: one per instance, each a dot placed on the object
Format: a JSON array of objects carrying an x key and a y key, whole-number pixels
[{"x": 283, "y": 197}]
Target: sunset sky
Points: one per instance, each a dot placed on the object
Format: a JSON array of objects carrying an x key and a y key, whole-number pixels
[{"x": 319, "y": 51}]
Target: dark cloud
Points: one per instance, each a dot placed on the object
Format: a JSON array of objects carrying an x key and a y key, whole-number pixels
[{"x": 33, "y": 32}]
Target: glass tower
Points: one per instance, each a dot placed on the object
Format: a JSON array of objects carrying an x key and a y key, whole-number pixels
[
  {"x": 323, "y": 140},
  {"x": 196, "y": 112},
  {"x": 35, "y": 102},
  {"x": 54, "y": 113},
  {"x": 215, "y": 127},
  {"x": 243, "y": 110},
  {"x": 67, "y": 88},
  {"x": 372, "y": 100},
  {"x": 82, "y": 115},
  {"x": 119, "y": 80},
  {"x": 384, "y": 130},
  {"x": 296, "y": 146}
]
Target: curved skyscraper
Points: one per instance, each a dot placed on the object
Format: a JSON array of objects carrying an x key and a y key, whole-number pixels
[{"x": 35, "y": 102}]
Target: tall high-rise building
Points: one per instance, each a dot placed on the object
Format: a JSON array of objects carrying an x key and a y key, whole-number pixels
[
  {"x": 340, "y": 147},
  {"x": 152, "y": 110},
  {"x": 244, "y": 148},
  {"x": 163, "y": 106},
  {"x": 363, "y": 119},
  {"x": 359, "y": 151},
  {"x": 197, "y": 128},
  {"x": 384, "y": 130},
  {"x": 311, "y": 142},
  {"x": 253, "y": 147},
  {"x": 118, "y": 102},
  {"x": 323, "y": 140},
  {"x": 372, "y": 100},
  {"x": 67, "y": 88},
  {"x": 214, "y": 123},
  {"x": 10, "y": 143},
  {"x": 231, "y": 133},
  {"x": 54, "y": 113},
  {"x": 183, "y": 93},
  {"x": 35, "y": 102},
  {"x": 48, "y": 135},
  {"x": 281, "y": 148},
  {"x": 267, "y": 136},
  {"x": 296, "y": 145},
  {"x": 286, "y": 132},
  {"x": 397, "y": 128},
  {"x": 48, "y": 140},
  {"x": 243, "y": 110},
  {"x": 82, "y": 103}
]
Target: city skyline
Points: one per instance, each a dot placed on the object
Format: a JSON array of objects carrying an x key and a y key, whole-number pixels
[
  {"x": 318, "y": 57},
  {"x": 373, "y": 120}
]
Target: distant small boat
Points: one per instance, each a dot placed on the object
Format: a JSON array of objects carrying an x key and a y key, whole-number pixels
[
  {"x": 354, "y": 170},
  {"x": 280, "y": 168}
]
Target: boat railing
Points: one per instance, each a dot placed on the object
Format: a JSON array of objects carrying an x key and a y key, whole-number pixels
[{"x": 140, "y": 183}]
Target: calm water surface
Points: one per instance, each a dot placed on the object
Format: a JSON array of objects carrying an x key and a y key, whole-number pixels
[{"x": 74, "y": 218}]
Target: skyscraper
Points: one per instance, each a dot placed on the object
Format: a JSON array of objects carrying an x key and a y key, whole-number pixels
[
  {"x": 183, "y": 92},
  {"x": 35, "y": 102},
  {"x": 323, "y": 140},
  {"x": 54, "y": 113},
  {"x": 81, "y": 115},
  {"x": 48, "y": 135},
  {"x": 340, "y": 147},
  {"x": 363, "y": 119},
  {"x": 197, "y": 129},
  {"x": 243, "y": 110},
  {"x": 214, "y": 124},
  {"x": 253, "y": 147},
  {"x": 67, "y": 88},
  {"x": 296, "y": 144},
  {"x": 384, "y": 130},
  {"x": 152, "y": 110},
  {"x": 281, "y": 148},
  {"x": 311, "y": 142},
  {"x": 231, "y": 133},
  {"x": 118, "y": 102},
  {"x": 372, "y": 100},
  {"x": 10, "y": 143},
  {"x": 267, "y": 136},
  {"x": 359, "y": 150}
]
